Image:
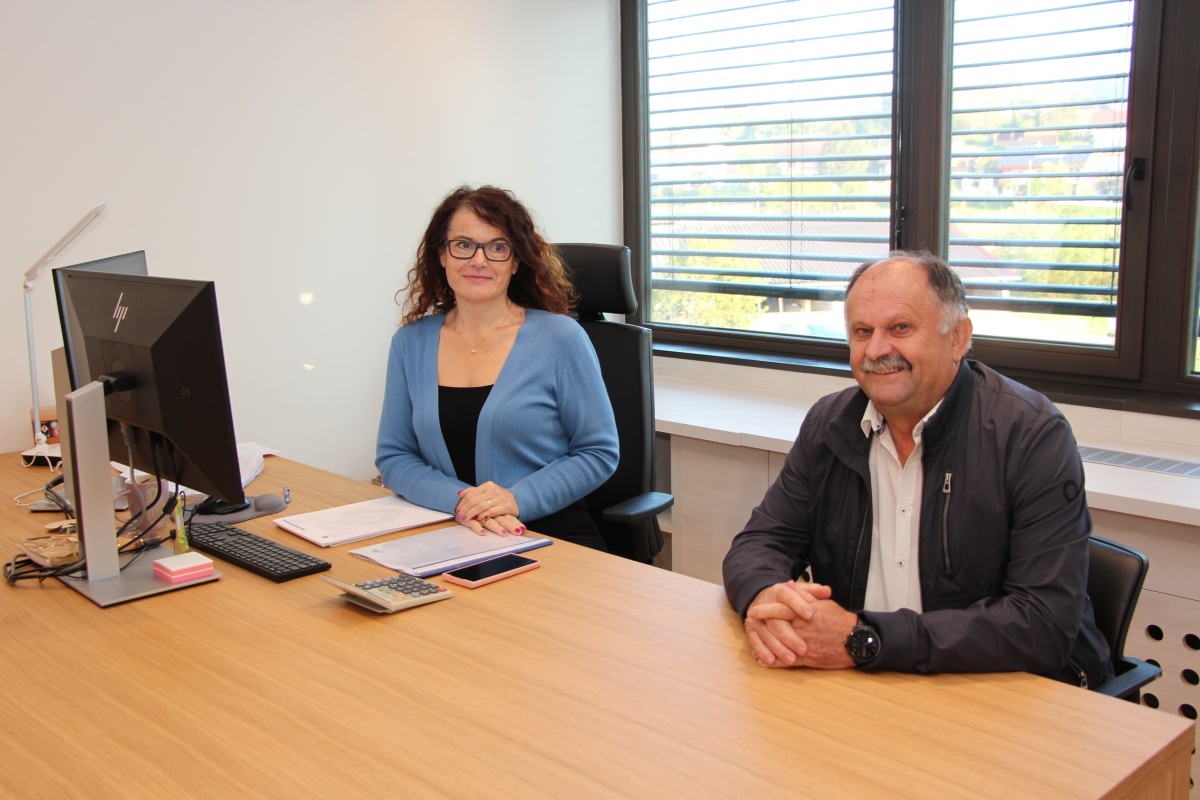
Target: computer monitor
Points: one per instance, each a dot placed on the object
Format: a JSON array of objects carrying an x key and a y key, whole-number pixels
[
  {"x": 156, "y": 374},
  {"x": 161, "y": 337},
  {"x": 128, "y": 264},
  {"x": 68, "y": 374}
]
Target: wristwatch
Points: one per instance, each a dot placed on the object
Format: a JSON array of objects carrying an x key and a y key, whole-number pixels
[{"x": 863, "y": 643}]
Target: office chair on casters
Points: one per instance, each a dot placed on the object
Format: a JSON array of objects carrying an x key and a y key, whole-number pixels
[
  {"x": 1115, "y": 577},
  {"x": 626, "y": 507}
]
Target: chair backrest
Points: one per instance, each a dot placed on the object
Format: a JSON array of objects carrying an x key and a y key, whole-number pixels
[
  {"x": 1115, "y": 577},
  {"x": 602, "y": 277}
]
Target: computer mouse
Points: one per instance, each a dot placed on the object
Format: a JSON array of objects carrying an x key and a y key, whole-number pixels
[
  {"x": 215, "y": 506},
  {"x": 269, "y": 504}
]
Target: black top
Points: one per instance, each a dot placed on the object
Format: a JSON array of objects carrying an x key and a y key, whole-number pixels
[{"x": 458, "y": 413}]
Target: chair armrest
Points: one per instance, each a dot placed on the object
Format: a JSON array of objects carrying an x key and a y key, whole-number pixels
[
  {"x": 1135, "y": 675},
  {"x": 639, "y": 508}
]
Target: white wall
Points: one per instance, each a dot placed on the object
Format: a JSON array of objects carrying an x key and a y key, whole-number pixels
[{"x": 282, "y": 147}]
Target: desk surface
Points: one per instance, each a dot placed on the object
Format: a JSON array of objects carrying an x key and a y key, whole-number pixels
[{"x": 592, "y": 676}]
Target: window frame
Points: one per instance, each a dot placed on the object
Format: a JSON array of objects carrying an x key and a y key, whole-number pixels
[{"x": 1147, "y": 370}]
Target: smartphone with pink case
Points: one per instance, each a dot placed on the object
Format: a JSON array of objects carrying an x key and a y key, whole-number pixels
[{"x": 490, "y": 571}]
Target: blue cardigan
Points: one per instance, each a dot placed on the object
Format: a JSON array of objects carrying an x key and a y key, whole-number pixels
[{"x": 546, "y": 432}]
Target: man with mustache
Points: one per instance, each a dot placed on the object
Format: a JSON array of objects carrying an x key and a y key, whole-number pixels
[{"x": 938, "y": 505}]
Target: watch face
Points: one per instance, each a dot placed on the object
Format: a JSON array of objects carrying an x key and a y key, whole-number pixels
[{"x": 863, "y": 644}]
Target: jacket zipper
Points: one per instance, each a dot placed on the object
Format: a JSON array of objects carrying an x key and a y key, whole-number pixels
[
  {"x": 946, "y": 523},
  {"x": 1083, "y": 680},
  {"x": 862, "y": 532}
]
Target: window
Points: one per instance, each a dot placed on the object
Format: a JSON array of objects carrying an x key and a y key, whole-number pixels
[
  {"x": 770, "y": 160},
  {"x": 1193, "y": 335},
  {"x": 1039, "y": 100},
  {"x": 1032, "y": 143}
]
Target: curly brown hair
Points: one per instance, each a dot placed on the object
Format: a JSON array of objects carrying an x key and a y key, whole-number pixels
[{"x": 540, "y": 280}]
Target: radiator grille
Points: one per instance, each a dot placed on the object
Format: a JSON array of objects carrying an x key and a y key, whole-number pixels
[{"x": 1136, "y": 461}]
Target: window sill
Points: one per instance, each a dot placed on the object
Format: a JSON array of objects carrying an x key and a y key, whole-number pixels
[
  {"x": 743, "y": 405},
  {"x": 1061, "y": 392}
]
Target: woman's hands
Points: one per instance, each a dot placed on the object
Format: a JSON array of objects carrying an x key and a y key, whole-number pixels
[{"x": 489, "y": 507}]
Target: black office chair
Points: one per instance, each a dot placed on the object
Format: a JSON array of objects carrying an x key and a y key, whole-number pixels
[
  {"x": 1115, "y": 577},
  {"x": 626, "y": 507}
]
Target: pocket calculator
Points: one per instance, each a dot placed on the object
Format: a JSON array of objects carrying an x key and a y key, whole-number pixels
[{"x": 391, "y": 594}]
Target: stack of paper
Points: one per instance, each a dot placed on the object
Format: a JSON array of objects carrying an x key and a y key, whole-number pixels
[
  {"x": 250, "y": 461},
  {"x": 435, "y": 552},
  {"x": 357, "y": 521}
]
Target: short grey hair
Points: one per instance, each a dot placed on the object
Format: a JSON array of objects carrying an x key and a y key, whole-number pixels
[{"x": 946, "y": 285}]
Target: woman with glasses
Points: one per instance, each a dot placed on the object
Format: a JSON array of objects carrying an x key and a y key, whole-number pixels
[{"x": 494, "y": 408}]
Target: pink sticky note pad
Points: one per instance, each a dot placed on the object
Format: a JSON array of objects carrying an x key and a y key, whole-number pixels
[
  {"x": 183, "y": 567},
  {"x": 180, "y": 577}
]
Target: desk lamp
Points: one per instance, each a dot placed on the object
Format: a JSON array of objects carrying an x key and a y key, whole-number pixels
[{"x": 40, "y": 448}]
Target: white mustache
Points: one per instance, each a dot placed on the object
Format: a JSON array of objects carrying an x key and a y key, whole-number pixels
[{"x": 889, "y": 363}]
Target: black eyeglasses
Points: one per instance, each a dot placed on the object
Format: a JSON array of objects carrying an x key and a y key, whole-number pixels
[{"x": 492, "y": 251}]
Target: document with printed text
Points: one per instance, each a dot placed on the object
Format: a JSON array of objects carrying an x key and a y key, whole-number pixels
[
  {"x": 358, "y": 521},
  {"x": 434, "y": 552}
]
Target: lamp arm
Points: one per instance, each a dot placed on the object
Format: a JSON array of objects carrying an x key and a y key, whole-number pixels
[{"x": 31, "y": 276}]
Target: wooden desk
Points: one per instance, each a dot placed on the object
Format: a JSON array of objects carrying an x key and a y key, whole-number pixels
[{"x": 590, "y": 677}]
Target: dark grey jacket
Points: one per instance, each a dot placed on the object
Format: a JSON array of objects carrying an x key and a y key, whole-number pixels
[{"x": 1003, "y": 535}]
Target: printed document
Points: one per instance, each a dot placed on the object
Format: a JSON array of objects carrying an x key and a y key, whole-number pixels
[
  {"x": 357, "y": 521},
  {"x": 434, "y": 552}
]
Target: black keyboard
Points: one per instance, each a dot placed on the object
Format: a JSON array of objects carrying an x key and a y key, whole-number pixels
[{"x": 253, "y": 552}]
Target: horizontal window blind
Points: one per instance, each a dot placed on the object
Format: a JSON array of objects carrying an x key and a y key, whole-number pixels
[
  {"x": 1036, "y": 174},
  {"x": 770, "y": 142},
  {"x": 770, "y": 128}
]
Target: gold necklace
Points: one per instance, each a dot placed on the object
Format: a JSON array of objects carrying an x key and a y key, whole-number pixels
[{"x": 475, "y": 346}]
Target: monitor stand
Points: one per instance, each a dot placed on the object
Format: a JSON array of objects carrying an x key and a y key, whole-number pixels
[{"x": 106, "y": 583}]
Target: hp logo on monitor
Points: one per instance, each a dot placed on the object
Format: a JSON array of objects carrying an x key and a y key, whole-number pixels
[{"x": 119, "y": 312}]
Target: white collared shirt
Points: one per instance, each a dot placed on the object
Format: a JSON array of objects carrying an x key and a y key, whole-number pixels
[{"x": 893, "y": 579}]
